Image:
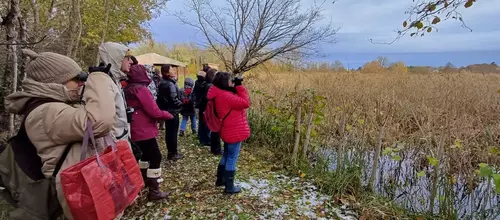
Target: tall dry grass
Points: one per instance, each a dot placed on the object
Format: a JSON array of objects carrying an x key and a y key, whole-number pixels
[{"x": 449, "y": 122}]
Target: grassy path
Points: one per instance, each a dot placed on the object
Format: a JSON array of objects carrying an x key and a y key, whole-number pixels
[{"x": 266, "y": 193}]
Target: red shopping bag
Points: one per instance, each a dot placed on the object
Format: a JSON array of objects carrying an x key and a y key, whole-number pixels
[{"x": 102, "y": 186}]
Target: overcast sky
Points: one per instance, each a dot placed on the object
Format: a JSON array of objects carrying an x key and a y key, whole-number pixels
[{"x": 360, "y": 20}]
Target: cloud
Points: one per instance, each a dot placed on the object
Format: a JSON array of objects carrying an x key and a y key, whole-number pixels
[{"x": 361, "y": 20}]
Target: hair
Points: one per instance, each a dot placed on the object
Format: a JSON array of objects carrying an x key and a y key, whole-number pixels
[
  {"x": 134, "y": 60},
  {"x": 221, "y": 80},
  {"x": 211, "y": 73}
]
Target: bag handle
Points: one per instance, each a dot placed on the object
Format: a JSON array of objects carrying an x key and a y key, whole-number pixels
[{"x": 89, "y": 134}]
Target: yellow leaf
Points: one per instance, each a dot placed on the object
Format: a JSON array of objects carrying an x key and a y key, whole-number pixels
[
  {"x": 187, "y": 195},
  {"x": 348, "y": 127},
  {"x": 436, "y": 20},
  {"x": 420, "y": 25},
  {"x": 468, "y": 3},
  {"x": 302, "y": 175},
  {"x": 429, "y": 30},
  {"x": 405, "y": 24}
]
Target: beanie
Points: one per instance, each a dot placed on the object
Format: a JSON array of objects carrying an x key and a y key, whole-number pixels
[
  {"x": 50, "y": 67},
  {"x": 202, "y": 73}
]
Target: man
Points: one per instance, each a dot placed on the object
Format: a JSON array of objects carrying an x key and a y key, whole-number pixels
[
  {"x": 119, "y": 57},
  {"x": 169, "y": 100},
  {"x": 198, "y": 91}
]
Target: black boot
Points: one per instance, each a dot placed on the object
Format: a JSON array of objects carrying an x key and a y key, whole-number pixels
[
  {"x": 144, "y": 175},
  {"x": 144, "y": 165},
  {"x": 153, "y": 183},
  {"x": 229, "y": 182},
  {"x": 174, "y": 157},
  {"x": 220, "y": 176},
  {"x": 181, "y": 133}
]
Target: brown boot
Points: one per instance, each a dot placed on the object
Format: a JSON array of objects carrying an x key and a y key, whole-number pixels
[{"x": 153, "y": 183}]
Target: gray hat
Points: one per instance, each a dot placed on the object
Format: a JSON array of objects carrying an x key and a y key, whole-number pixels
[{"x": 48, "y": 67}]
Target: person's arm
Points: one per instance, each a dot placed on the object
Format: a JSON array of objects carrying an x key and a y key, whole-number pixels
[
  {"x": 150, "y": 106},
  {"x": 66, "y": 124},
  {"x": 240, "y": 100},
  {"x": 174, "y": 95}
]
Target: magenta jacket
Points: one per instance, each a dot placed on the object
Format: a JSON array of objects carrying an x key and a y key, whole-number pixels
[{"x": 144, "y": 125}]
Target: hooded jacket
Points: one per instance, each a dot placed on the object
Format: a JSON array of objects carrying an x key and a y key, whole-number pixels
[
  {"x": 52, "y": 126},
  {"x": 114, "y": 53},
  {"x": 144, "y": 124},
  {"x": 235, "y": 127},
  {"x": 188, "y": 98}
]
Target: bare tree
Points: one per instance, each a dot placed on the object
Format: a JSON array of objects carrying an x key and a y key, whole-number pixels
[
  {"x": 247, "y": 33},
  {"x": 11, "y": 22}
]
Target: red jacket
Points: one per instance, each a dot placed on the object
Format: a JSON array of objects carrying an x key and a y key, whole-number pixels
[
  {"x": 235, "y": 127},
  {"x": 138, "y": 96}
]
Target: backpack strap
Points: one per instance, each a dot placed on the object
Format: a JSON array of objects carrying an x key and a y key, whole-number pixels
[{"x": 215, "y": 111}]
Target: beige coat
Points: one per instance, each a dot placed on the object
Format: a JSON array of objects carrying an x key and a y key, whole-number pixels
[{"x": 52, "y": 126}]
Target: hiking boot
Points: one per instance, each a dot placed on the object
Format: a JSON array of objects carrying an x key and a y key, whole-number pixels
[
  {"x": 229, "y": 183},
  {"x": 181, "y": 133},
  {"x": 220, "y": 176},
  {"x": 174, "y": 157},
  {"x": 153, "y": 183}
]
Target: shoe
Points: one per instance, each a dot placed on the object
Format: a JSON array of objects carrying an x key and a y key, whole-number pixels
[
  {"x": 181, "y": 133},
  {"x": 218, "y": 153},
  {"x": 174, "y": 157},
  {"x": 220, "y": 176},
  {"x": 153, "y": 183},
  {"x": 229, "y": 183}
]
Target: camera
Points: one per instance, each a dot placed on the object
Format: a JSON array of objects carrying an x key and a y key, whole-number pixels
[{"x": 130, "y": 113}]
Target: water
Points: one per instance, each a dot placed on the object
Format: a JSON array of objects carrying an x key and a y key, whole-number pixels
[{"x": 399, "y": 182}]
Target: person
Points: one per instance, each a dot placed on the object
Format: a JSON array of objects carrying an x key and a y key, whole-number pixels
[
  {"x": 143, "y": 128},
  {"x": 234, "y": 129},
  {"x": 199, "y": 90},
  {"x": 60, "y": 123},
  {"x": 169, "y": 100},
  {"x": 119, "y": 57},
  {"x": 188, "y": 111},
  {"x": 214, "y": 137}
]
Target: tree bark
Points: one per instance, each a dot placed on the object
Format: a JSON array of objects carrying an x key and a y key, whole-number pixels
[
  {"x": 36, "y": 15},
  {"x": 298, "y": 125},
  {"x": 23, "y": 37},
  {"x": 310, "y": 126},
  {"x": 12, "y": 52},
  {"x": 75, "y": 30}
]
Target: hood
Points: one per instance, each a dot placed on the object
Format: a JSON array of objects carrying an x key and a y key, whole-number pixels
[
  {"x": 214, "y": 91},
  {"x": 188, "y": 83},
  {"x": 138, "y": 74},
  {"x": 16, "y": 102},
  {"x": 113, "y": 53}
]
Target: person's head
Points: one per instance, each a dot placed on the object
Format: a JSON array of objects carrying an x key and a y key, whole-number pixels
[
  {"x": 223, "y": 80},
  {"x": 50, "y": 67},
  {"x": 126, "y": 62},
  {"x": 188, "y": 83},
  {"x": 157, "y": 72},
  {"x": 210, "y": 74},
  {"x": 167, "y": 70},
  {"x": 201, "y": 75},
  {"x": 205, "y": 68}
]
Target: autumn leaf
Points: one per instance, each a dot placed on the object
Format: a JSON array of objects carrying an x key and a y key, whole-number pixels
[
  {"x": 436, "y": 20},
  {"x": 420, "y": 25},
  {"x": 421, "y": 174},
  {"x": 302, "y": 175},
  {"x": 405, "y": 23},
  {"x": 187, "y": 195},
  {"x": 468, "y": 3}
]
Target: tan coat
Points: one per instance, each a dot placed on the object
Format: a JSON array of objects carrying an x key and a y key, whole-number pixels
[{"x": 52, "y": 126}]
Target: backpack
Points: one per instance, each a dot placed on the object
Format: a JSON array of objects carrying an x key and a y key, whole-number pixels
[
  {"x": 214, "y": 123},
  {"x": 22, "y": 182}
]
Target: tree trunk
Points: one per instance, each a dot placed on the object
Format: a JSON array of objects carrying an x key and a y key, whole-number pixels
[
  {"x": 23, "y": 37},
  {"x": 298, "y": 125},
  {"x": 12, "y": 52},
  {"x": 310, "y": 126},
  {"x": 75, "y": 30},
  {"x": 36, "y": 15},
  {"x": 376, "y": 156},
  {"x": 103, "y": 36}
]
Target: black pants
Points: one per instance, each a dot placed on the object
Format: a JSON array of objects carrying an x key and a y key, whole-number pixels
[
  {"x": 215, "y": 142},
  {"x": 150, "y": 152},
  {"x": 171, "y": 132},
  {"x": 203, "y": 131}
]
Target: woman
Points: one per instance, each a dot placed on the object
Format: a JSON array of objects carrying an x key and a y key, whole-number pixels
[
  {"x": 213, "y": 136},
  {"x": 143, "y": 128},
  {"x": 235, "y": 128}
]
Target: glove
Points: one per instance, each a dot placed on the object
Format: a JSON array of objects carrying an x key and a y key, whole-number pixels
[
  {"x": 237, "y": 81},
  {"x": 100, "y": 68}
]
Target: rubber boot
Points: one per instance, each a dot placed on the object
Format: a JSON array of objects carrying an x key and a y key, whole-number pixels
[
  {"x": 153, "y": 183},
  {"x": 229, "y": 183},
  {"x": 220, "y": 175},
  {"x": 144, "y": 165}
]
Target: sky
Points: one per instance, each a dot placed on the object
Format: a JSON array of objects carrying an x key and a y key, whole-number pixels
[{"x": 361, "y": 20}]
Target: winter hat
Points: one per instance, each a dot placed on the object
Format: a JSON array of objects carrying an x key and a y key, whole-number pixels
[
  {"x": 48, "y": 67},
  {"x": 201, "y": 73},
  {"x": 188, "y": 83}
]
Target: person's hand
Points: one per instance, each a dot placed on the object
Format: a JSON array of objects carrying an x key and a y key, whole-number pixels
[
  {"x": 237, "y": 81},
  {"x": 100, "y": 68}
]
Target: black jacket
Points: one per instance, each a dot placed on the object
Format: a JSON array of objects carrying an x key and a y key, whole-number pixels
[
  {"x": 198, "y": 90},
  {"x": 169, "y": 96},
  {"x": 187, "y": 107}
]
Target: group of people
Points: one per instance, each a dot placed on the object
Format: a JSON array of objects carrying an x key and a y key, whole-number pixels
[{"x": 58, "y": 99}]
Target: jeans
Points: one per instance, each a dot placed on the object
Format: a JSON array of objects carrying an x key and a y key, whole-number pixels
[
  {"x": 215, "y": 142},
  {"x": 150, "y": 152},
  {"x": 203, "y": 131},
  {"x": 185, "y": 119},
  {"x": 171, "y": 130},
  {"x": 230, "y": 156}
]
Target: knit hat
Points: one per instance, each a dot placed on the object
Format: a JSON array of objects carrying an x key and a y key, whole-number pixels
[
  {"x": 48, "y": 67},
  {"x": 201, "y": 73},
  {"x": 188, "y": 83}
]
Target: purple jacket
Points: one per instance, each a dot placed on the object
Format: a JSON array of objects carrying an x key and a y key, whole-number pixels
[{"x": 144, "y": 125}]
